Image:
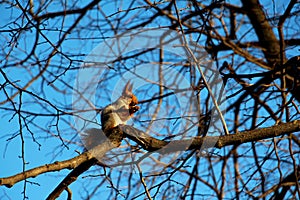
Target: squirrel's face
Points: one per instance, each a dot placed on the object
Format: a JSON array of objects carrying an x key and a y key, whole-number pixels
[
  {"x": 131, "y": 99},
  {"x": 126, "y": 105},
  {"x": 132, "y": 106}
]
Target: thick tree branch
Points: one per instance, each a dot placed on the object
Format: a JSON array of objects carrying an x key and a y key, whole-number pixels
[
  {"x": 72, "y": 176},
  {"x": 152, "y": 144},
  {"x": 72, "y": 163},
  {"x": 115, "y": 137},
  {"x": 263, "y": 31},
  {"x": 244, "y": 45}
]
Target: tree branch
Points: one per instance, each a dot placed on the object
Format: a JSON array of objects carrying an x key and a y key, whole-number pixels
[
  {"x": 114, "y": 139},
  {"x": 286, "y": 184},
  {"x": 263, "y": 31},
  {"x": 150, "y": 144},
  {"x": 72, "y": 176},
  {"x": 72, "y": 163}
]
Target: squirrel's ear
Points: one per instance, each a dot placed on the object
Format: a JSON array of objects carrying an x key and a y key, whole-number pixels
[{"x": 128, "y": 89}]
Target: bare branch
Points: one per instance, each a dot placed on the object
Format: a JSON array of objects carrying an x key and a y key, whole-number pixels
[{"x": 152, "y": 144}]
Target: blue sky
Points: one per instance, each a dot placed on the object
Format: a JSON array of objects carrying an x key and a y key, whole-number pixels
[{"x": 51, "y": 148}]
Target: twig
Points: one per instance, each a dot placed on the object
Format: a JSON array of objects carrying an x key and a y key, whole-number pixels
[{"x": 201, "y": 72}]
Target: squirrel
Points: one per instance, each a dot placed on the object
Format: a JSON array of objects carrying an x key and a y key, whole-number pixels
[
  {"x": 121, "y": 110},
  {"x": 113, "y": 115}
]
